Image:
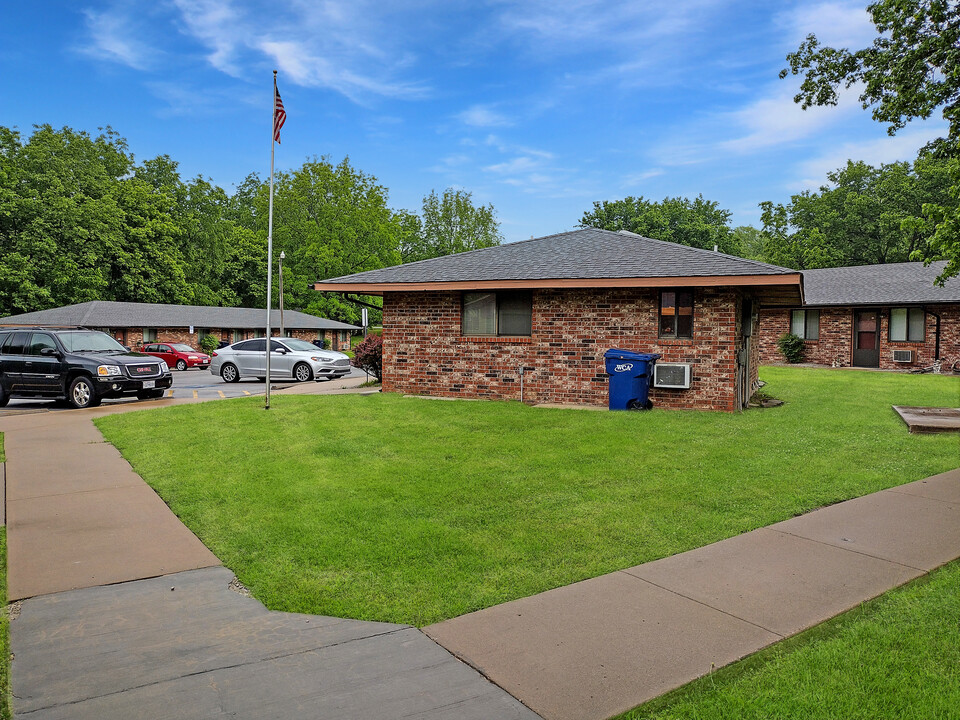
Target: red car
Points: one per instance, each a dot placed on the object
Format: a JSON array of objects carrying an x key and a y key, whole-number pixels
[{"x": 178, "y": 355}]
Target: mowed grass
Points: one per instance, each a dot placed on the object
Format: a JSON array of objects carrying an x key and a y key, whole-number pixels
[
  {"x": 410, "y": 510},
  {"x": 894, "y": 657}
]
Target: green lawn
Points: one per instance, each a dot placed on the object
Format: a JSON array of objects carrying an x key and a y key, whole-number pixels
[
  {"x": 407, "y": 510},
  {"x": 895, "y": 657}
]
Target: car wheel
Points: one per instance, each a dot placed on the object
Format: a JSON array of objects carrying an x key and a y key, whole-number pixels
[
  {"x": 82, "y": 393},
  {"x": 181, "y": 365},
  {"x": 4, "y": 398},
  {"x": 302, "y": 372},
  {"x": 229, "y": 373}
]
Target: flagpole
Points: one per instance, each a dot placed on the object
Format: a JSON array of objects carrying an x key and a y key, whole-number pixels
[{"x": 273, "y": 134}]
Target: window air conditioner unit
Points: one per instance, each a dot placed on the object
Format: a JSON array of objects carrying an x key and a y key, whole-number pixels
[
  {"x": 904, "y": 356},
  {"x": 671, "y": 375}
]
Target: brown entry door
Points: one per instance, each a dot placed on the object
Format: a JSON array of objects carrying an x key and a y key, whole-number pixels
[{"x": 866, "y": 338}]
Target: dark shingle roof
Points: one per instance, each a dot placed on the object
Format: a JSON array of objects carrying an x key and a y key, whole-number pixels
[
  {"x": 588, "y": 253},
  {"x": 103, "y": 313},
  {"x": 907, "y": 283}
]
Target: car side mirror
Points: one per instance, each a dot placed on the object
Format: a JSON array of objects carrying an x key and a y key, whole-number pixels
[{"x": 48, "y": 351}]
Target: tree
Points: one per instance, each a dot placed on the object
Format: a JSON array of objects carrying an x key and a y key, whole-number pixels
[
  {"x": 75, "y": 225},
  {"x": 909, "y": 71},
  {"x": 698, "y": 223},
  {"x": 750, "y": 241},
  {"x": 450, "y": 223},
  {"x": 863, "y": 217},
  {"x": 330, "y": 221}
]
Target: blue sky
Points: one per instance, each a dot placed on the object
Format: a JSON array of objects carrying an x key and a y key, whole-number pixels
[{"x": 537, "y": 106}]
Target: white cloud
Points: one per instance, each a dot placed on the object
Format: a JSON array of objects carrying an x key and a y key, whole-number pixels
[
  {"x": 634, "y": 179},
  {"x": 776, "y": 120},
  {"x": 483, "y": 116},
  {"x": 902, "y": 146},
  {"x": 115, "y": 37},
  {"x": 555, "y": 24},
  {"x": 836, "y": 24},
  {"x": 353, "y": 47},
  {"x": 516, "y": 165}
]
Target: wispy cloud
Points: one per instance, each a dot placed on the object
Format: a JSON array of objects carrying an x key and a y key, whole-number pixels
[
  {"x": 352, "y": 48},
  {"x": 901, "y": 147},
  {"x": 483, "y": 116},
  {"x": 836, "y": 24},
  {"x": 775, "y": 119},
  {"x": 115, "y": 37}
]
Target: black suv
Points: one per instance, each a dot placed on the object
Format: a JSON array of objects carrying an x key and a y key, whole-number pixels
[{"x": 77, "y": 365}]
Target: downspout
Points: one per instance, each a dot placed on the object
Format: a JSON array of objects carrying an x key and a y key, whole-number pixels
[{"x": 936, "y": 332}]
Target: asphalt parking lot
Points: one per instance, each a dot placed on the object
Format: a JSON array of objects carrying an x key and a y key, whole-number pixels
[{"x": 187, "y": 384}]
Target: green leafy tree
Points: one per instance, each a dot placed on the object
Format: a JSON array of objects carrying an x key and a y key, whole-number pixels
[
  {"x": 330, "y": 220},
  {"x": 909, "y": 71},
  {"x": 750, "y": 240},
  {"x": 75, "y": 225},
  {"x": 864, "y": 216},
  {"x": 698, "y": 223},
  {"x": 450, "y": 223}
]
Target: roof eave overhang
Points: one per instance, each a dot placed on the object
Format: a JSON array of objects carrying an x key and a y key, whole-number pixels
[{"x": 783, "y": 281}]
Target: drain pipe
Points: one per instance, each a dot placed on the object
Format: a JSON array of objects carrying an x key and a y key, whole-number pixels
[
  {"x": 520, "y": 372},
  {"x": 936, "y": 332}
]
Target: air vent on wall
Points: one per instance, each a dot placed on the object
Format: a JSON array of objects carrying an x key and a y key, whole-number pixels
[
  {"x": 904, "y": 356},
  {"x": 671, "y": 375}
]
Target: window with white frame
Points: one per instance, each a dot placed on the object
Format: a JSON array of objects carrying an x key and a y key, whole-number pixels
[
  {"x": 906, "y": 325},
  {"x": 149, "y": 335},
  {"x": 805, "y": 324}
]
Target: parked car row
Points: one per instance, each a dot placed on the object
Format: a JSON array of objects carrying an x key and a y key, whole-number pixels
[{"x": 83, "y": 367}]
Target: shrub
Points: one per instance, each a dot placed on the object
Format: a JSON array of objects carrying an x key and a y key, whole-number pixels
[
  {"x": 322, "y": 343},
  {"x": 792, "y": 347},
  {"x": 369, "y": 356},
  {"x": 208, "y": 343}
]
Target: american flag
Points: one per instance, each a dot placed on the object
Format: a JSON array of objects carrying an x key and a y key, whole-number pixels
[{"x": 279, "y": 114}]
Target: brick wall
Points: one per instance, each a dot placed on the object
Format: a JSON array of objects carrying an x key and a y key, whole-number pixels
[
  {"x": 835, "y": 346},
  {"x": 424, "y": 352},
  {"x": 133, "y": 337}
]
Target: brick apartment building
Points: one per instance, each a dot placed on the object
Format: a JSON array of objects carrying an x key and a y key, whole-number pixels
[
  {"x": 464, "y": 325},
  {"x": 891, "y": 317},
  {"x": 134, "y": 324}
]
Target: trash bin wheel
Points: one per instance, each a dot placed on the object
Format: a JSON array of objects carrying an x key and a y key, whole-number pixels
[{"x": 638, "y": 405}]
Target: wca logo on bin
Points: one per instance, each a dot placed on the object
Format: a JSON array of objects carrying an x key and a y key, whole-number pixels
[{"x": 623, "y": 367}]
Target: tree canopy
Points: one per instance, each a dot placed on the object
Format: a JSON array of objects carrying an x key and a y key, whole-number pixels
[
  {"x": 81, "y": 220},
  {"x": 863, "y": 217},
  {"x": 698, "y": 223},
  {"x": 909, "y": 71}
]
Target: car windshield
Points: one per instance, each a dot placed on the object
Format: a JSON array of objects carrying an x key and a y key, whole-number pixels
[
  {"x": 182, "y": 348},
  {"x": 301, "y": 345},
  {"x": 89, "y": 341}
]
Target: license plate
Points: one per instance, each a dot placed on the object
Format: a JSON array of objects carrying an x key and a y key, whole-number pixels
[{"x": 147, "y": 384}]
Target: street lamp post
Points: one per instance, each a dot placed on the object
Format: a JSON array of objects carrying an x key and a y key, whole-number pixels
[{"x": 282, "y": 256}]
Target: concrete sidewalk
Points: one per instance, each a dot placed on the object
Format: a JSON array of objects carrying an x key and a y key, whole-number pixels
[
  {"x": 126, "y": 614},
  {"x": 603, "y": 646}
]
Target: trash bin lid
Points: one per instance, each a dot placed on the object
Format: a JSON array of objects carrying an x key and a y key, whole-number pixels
[{"x": 615, "y": 354}]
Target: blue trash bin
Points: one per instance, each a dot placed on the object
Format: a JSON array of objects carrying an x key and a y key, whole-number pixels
[{"x": 630, "y": 376}]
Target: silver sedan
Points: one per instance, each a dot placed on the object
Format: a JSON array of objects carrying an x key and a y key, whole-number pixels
[{"x": 290, "y": 358}]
